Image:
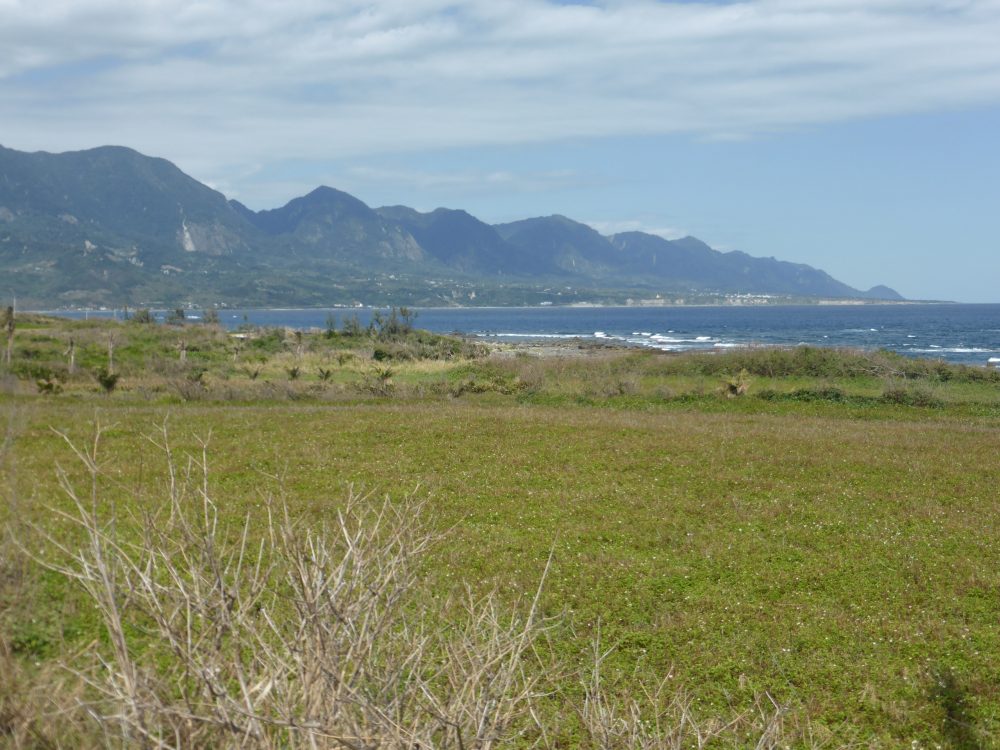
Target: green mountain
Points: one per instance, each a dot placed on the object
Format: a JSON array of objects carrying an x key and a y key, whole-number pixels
[
  {"x": 561, "y": 246},
  {"x": 110, "y": 226},
  {"x": 691, "y": 262},
  {"x": 462, "y": 242},
  {"x": 332, "y": 225}
]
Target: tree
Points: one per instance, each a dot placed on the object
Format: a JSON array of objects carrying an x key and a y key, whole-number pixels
[
  {"x": 71, "y": 353},
  {"x": 352, "y": 326},
  {"x": 8, "y": 324},
  {"x": 111, "y": 353}
]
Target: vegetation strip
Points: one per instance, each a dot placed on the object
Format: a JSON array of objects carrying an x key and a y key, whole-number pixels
[{"x": 829, "y": 547}]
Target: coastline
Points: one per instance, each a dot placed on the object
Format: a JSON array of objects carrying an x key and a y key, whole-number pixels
[
  {"x": 567, "y": 306},
  {"x": 960, "y": 333}
]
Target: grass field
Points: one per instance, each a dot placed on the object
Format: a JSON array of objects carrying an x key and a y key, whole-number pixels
[{"x": 826, "y": 538}]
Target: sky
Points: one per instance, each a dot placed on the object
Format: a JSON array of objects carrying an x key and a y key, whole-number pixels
[{"x": 858, "y": 136}]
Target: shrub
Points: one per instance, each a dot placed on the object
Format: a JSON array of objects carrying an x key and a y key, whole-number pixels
[
  {"x": 911, "y": 395},
  {"x": 176, "y": 317},
  {"x": 737, "y": 386},
  {"x": 821, "y": 393},
  {"x": 143, "y": 316},
  {"x": 107, "y": 379},
  {"x": 378, "y": 381},
  {"x": 49, "y": 385}
]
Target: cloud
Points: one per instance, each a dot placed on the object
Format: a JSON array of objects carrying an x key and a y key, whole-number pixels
[
  {"x": 217, "y": 83},
  {"x": 636, "y": 225},
  {"x": 467, "y": 180}
]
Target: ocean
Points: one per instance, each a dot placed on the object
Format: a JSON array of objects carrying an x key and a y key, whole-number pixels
[{"x": 967, "y": 334}]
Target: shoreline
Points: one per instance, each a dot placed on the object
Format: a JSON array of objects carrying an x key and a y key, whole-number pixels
[{"x": 569, "y": 306}]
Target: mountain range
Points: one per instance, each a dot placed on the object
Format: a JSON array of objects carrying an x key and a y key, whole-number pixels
[{"x": 110, "y": 227}]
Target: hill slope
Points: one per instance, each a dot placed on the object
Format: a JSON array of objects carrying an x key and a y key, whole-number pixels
[{"x": 110, "y": 226}]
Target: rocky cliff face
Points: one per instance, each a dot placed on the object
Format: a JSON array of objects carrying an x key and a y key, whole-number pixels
[{"x": 212, "y": 238}]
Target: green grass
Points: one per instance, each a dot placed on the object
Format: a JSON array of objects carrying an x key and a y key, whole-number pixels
[{"x": 838, "y": 552}]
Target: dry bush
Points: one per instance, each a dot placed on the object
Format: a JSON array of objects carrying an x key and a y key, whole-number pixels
[
  {"x": 31, "y": 695},
  {"x": 268, "y": 633},
  {"x": 37, "y": 704},
  {"x": 307, "y": 637},
  {"x": 662, "y": 718}
]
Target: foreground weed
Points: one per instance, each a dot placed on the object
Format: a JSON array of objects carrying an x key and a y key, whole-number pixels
[
  {"x": 263, "y": 632},
  {"x": 304, "y": 638}
]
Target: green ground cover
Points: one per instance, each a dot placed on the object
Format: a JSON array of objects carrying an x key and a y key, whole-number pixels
[{"x": 818, "y": 538}]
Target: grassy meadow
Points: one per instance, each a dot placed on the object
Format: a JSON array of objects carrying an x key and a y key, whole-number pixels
[{"x": 804, "y": 541}]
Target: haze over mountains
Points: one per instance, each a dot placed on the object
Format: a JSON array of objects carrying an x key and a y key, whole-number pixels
[{"x": 109, "y": 226}]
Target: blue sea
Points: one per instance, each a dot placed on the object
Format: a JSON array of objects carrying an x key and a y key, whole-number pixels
[{"x": 968, "y": 334}]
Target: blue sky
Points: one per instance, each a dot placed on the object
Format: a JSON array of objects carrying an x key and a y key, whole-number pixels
[{"x": 859, "y": 136}]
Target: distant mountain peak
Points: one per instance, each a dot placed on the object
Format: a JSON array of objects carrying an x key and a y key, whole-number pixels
[{"x": 109, "y": 225}]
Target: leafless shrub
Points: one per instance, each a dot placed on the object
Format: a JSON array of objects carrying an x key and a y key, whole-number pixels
[
  {"x": 625, "y": 385},
  {"x": 34, "y": 701},
  {"x": 663, "y": 718},
  {"x": 307, "y": 638},
  {"x": 31, "y": 695},
  {"x": 188, "y": 388}
]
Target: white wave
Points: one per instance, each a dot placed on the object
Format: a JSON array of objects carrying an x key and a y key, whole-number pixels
[
  {"x": 666, "y": 344},
  {"x": 533, "y": 335},
  {"x": 953, "y": 350},
  {"x": 663, "y": 338}
]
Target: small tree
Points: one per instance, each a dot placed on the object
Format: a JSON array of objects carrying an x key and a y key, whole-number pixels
[
  {"x": 111, "y": 352},
  {"x": 143, "y": 316},
  {"x": 210, "y": 316},
  {"x": 352, "y": 326},
  {"x": 8, "y": 324},
  {"x": 176, "y": 317},
  {"x": 108, "y": 380},
  {"x": 407, "y": 316},
  {"x": 71, "y": 353}
]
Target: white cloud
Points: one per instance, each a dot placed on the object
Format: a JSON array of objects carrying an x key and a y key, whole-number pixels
[
  {"x": 467, "y": 181},
  {"x": 218, "y": 83},
  {"x": 636, "y": 225}
]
